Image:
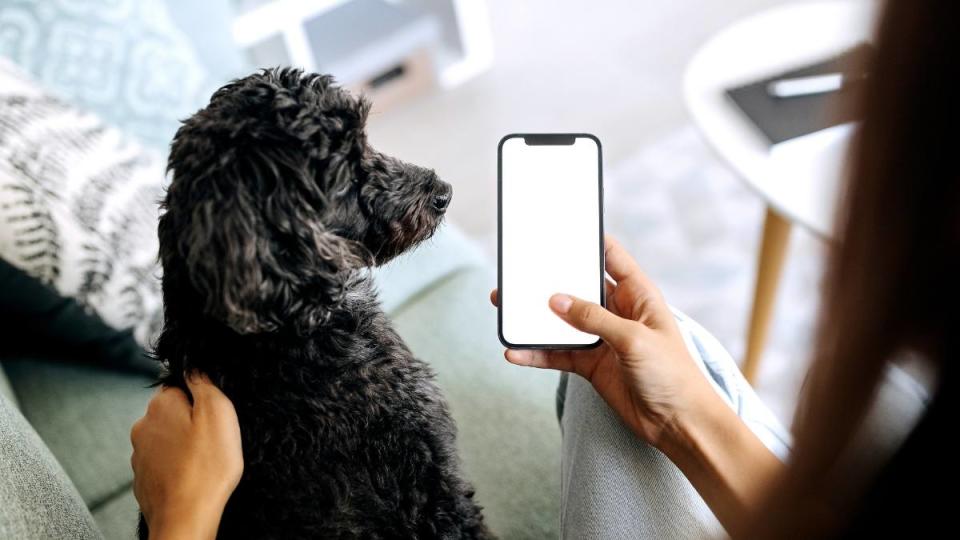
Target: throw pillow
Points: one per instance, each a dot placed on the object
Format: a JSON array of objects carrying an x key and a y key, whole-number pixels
[
  {"x": 125, "y": 60},
  {"x": 79, "y": 205}
]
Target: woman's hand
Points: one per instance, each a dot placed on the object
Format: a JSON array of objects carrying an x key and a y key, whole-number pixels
[
  {"x": 642, "y": 369},
  {"x": 186, "y": 460},
  {"x": 645, "y": 373}
]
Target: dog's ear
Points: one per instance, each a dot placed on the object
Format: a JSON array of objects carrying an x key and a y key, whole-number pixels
[{"x": 255, "y": 262}]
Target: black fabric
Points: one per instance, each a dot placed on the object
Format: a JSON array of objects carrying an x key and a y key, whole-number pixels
[
  {"x": 36, "y": 320},
  {"x": 912, "y": 497}
]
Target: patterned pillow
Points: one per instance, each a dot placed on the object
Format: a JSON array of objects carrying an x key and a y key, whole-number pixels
[
  {"x": 78, "y": 205},
  {"x": 125, "y": 60}
]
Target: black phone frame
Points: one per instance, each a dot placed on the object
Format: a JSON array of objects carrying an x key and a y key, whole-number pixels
[{"x": 538, "y": 139}]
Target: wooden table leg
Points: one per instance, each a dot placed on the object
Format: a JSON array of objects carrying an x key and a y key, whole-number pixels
[{"x": 773, "y": 248}]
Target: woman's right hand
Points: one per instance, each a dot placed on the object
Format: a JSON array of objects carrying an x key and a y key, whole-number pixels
[
  {"x": 645, "y": 373},
  {"x": 642, "y": 369}
]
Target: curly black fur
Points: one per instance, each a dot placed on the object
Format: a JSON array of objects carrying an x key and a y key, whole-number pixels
[{"x": 276, "y": 205}]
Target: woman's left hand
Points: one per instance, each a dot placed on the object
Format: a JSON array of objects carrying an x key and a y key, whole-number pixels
[{"x": 187, "y": 460}]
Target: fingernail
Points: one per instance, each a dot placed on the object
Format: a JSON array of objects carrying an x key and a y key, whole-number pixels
[{"x": 561, "y": 303}]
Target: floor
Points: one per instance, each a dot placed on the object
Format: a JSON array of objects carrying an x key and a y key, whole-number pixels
[{"x": 615, "y": 69}]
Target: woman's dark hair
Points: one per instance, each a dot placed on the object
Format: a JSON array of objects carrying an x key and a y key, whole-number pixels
[{"x": 893, "y": 270}]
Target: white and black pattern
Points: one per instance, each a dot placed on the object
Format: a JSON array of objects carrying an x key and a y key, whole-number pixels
[{"x": 79, "y": 206}]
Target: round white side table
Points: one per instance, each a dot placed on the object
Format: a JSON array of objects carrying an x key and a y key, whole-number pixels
[{"x": 798, "y": 179}]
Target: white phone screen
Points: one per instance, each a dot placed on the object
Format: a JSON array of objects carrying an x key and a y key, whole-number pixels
[{"x": 550, "y": 235}]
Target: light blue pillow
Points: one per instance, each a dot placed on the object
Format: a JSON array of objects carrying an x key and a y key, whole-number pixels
[
  {"x": 126, "y": 60},
  {"x": 207, "y": 24}
]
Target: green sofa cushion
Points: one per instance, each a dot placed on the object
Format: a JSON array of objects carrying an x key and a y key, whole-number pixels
[
  {"x": 84, "y": 415},
  {"x": 6, "y": 391},
  {"x": 118, "y": 517},
  {"x": 403, "y": 278},
  {"x": 508, "y": 434},
  {"x": 37, "y": 499}
]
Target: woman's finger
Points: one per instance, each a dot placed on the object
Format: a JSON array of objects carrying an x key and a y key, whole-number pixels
[
  {"x": 594, "y": 319},
  {"x": 135, "y": 430},
  {"x": 610, "y": 287},
  {"x": 197, "y": 383},
  {"x": 619, "y": 264},
  {"x": 168, "y": 402},
  {"x": 622, "y": 267},
  {"x": 205, "y": 394},
  {"x": 544, "y": 359},
  {"x": 210, "y": 404}
]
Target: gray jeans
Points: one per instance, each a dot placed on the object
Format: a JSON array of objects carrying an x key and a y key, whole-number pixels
[{"x": 615, "y": 486}]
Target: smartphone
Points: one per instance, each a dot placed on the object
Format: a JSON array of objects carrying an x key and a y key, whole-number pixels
[{"x": 550, "y": 235}]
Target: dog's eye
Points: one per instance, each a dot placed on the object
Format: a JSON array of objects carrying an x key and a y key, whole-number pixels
[{"x": 345, "y": 188}]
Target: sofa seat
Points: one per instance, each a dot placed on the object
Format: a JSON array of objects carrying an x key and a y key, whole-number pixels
[{"x": 508, "y": 433}]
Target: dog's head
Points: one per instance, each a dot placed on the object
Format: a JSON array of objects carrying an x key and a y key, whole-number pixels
[{"x": 276, "y": 198}]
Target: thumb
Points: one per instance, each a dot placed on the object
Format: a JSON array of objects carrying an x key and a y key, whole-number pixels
[
  {"x": 594, "y": 319},
  {"x": 201, "y": 389},
  {"x": 208, "y": 400}
]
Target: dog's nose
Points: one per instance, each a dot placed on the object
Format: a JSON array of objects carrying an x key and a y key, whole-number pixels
[{"x": 441, "y": 200}]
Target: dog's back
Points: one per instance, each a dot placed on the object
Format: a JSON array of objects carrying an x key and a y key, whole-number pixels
[{"x": 344, "y": 435}]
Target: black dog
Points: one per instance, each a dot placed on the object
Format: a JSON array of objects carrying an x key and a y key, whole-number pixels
[{"x": 276, "y": 205}]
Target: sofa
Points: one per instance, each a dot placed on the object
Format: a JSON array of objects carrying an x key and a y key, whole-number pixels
[{"x": 64, "y": 424}]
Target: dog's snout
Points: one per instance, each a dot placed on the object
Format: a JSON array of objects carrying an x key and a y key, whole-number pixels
[
  {"x": 442, "y": 196},
  {"x": 440, "y": 202}
]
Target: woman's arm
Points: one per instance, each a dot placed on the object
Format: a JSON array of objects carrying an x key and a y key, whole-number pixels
[
  {"x": 645, "y": 373},
  {"x": 187, "y": 460},
  {"x": 723, "y": 459}
]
